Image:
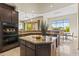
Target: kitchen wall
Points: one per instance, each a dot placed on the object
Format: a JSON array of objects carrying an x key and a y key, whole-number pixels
[{"x": 78, "y": 25}]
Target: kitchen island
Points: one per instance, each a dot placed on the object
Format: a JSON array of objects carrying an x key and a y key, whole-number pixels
[{"x": 30, "y": 46}]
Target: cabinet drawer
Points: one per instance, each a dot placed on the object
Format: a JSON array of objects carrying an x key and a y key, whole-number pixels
[{"x": 30, "y": 45}]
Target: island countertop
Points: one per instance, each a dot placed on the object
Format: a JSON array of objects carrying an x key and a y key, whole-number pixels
[
  {"x": 32, "y": 39},
  {"x": 49, "y": 33}
]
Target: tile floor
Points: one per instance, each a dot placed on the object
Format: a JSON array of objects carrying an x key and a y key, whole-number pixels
[
  {"x": 66, "y": 48},
  {"x": 12, "y": 52},
  {"x": 69, "y": 48}
]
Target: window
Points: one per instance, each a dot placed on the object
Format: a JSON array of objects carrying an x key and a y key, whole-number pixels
[
  {"x": 21, "y": 26},
  {"x": 60, "y": 25}
]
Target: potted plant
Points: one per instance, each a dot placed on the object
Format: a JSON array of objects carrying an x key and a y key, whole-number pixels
[{"x": 44, "y": 28}]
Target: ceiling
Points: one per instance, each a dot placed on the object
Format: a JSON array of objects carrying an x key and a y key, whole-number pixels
[
  {"x": 38, "y": 8},
  {"x": 31, "y": 10}
]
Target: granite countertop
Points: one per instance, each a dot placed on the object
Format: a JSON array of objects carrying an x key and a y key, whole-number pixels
[
  {"x": 54, "y": 32},
  {"x": 32, "y": 39}
]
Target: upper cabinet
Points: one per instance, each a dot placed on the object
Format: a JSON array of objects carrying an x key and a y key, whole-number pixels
[
  {"x": 8, "y": 14},
  {"x": 5, "y": 14},
  {"x": 15, "y": 17}
]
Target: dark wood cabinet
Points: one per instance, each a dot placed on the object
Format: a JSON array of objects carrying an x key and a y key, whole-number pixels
[
  {"x": 43, "y": 50},
  {"x": 27, "y": 49},
  {"x": 30, "y": 49},
  {"x": 5, "y": 14},
  {"x": 23, "y": 50},
  {"x": 15, "y": 17},
  {"x": 8, "y": 27},
  {"x": 8, "y": 14}
]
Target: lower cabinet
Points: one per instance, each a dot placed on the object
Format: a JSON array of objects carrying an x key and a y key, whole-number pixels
[
  {"x": 25, "y": 51},
  {"x": 30, "y": 52},
  {"x": 43, "y": 50},
  {"x": 30, "y": 49},
  {"x": 22, "y": 50}
]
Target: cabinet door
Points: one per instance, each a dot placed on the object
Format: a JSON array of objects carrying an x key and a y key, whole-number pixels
[
  {"x": 30, "y": 51},
  {"x": 43, "y": 50},
  {"x": 26, "y": 51},
  {"x": 22, "y": 50},
  {"x": 1, "y": 13},
  {"x": 14, "y": 17},
  {"x": 5, "y": 14}
]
